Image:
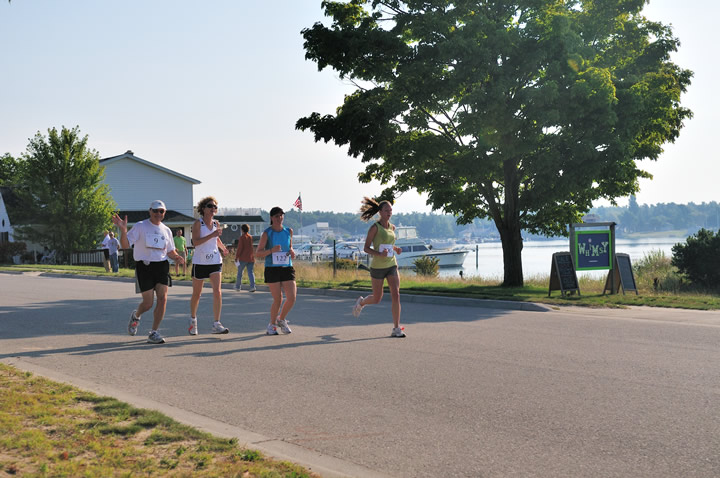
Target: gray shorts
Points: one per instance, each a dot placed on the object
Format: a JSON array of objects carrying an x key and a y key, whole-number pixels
[{"x": 384, "y": 272}]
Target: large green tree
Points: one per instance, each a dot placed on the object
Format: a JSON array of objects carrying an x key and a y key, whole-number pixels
[
  {"x": 8, "y": 170},
  {"x": 66, "y": 205},
  {"x": 523, "y": 112}
]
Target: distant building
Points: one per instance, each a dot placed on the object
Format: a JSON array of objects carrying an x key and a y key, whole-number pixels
[{"x": 320, "y": 231}]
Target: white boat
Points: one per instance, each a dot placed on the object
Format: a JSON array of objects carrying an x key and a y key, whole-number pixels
[{"x": 413, "y": 247}]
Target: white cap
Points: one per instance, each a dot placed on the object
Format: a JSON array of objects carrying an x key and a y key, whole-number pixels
[{"x": 158, "y": 204}]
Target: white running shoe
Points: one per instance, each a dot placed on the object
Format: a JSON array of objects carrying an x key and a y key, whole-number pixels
[
  {"x": 357, "y": 308},
  {"x": 133, "y": 323},
  {"x": 283, "y": 324},
  {"x": 155, "y": 338},
  {"x": 192, "y": 326},
  {"x": 398, "y": 332},
  {"x": 271, "y": 330},
  {"x": 252, "y": 289},
  {"x": 219, "y": 329}
]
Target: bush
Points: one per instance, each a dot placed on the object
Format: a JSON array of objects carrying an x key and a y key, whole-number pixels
[
  {"x": 427, "y": 266},
  {"x": 10, "y": 249},
  {"x": 699, "y": 258},
  {"x": 655, "y": 271}
]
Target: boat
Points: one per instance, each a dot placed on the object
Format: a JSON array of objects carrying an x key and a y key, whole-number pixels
[{"x": 413, "y": 247}]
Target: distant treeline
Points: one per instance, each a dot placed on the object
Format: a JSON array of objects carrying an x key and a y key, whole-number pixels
[{"x": 631, "y": 219}]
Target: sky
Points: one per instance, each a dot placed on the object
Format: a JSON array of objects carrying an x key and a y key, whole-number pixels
[{"x": 212, "y": 90}]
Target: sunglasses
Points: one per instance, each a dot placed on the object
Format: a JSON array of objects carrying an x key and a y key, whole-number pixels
[
  {"x": 158, "y": 211},
  {"x": 213, "y": 206}
]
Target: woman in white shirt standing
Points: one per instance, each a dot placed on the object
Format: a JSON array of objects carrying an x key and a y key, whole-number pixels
[{"x": 207, "y": 262}]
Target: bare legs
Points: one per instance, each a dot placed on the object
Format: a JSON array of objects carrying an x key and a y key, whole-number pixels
[
  {"x": 376, "y": 297},
  {"x": 147, "y": 303},
  {"x": 197, "y": 285},
  {"x": 276, "y": 289}
]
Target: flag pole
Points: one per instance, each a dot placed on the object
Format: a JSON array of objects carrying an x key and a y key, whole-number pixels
[{"x": 303, "y": 239}]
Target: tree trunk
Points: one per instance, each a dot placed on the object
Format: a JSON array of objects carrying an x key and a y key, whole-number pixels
[{"x": 512, "y": 245}]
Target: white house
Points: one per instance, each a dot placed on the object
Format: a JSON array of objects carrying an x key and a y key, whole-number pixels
[{"x": 134, "y": 183}]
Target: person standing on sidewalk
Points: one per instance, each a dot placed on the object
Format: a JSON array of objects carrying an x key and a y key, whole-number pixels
[
  {"x": 380, "y": 244},
  {"x": 245, "y": 258},
  {"x": 113, "y": 246},
  {"x": 276, "y": 247},
  {"x": 207, "y": 263},
  {"x": 152, "y": 245},
  {"x": 106, "y": 250}
]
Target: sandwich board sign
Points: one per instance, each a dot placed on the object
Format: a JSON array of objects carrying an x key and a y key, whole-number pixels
[{"x": 562, "y": 274}]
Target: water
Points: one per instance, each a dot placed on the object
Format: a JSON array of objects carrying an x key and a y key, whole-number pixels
[{"x": 537, "y": 256}]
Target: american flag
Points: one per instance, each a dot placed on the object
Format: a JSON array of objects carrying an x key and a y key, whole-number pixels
[{"x": 298, "y": 203}]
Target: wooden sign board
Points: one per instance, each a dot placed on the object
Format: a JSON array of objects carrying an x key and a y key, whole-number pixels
[
  {"x": 593, "y": 250},
  {"x": 562, "y": 274},
  {"x": 621, "y": 275}
]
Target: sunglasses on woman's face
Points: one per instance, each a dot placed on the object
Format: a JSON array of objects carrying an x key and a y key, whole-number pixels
[{"x": 213, "y": 206}]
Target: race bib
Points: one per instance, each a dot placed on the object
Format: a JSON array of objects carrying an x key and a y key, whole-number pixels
[
  {"x": 155, "y": 240},
  {"x": 387, "y": 247},
  {"x": 281, "y": 258},
  {"x": 209, "y": 256}
]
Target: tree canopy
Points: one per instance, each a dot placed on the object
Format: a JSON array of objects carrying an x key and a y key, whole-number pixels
[
  {"x": 523, "y": 112},
  {"x": 66, "y": 205}
]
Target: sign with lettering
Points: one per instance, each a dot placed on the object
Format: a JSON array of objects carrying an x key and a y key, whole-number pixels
[
  {"x": 562, "y": 274},
  {"x": 593, "y": 250}
]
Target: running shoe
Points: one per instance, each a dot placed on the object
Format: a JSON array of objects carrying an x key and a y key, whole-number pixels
[
  {"x": 284, "y": 326},
  {"x": 155, "y": 338},
  {"x": 133, "y": 324},
  {"x": 358, "y": 307},
  {"x": 271, "y": 330},
  {"x": 398, "y": 332},
  {"x": 192, "y": 326},
  {"x": 219, "y": 329},
  {"x": 252, "y": 289}
]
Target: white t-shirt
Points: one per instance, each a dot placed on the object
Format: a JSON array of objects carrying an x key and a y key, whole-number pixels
[
  {"x": 151, "y": 243},
  {"x": 106, "y": 242}
]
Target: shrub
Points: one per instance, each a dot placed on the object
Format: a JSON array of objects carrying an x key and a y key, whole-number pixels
[
  {"x": 427, "y": 266},
  {"x": 655, "y": 271},
  {"x": 699, "y": 258},
  {"x": 10, "y": 249}
]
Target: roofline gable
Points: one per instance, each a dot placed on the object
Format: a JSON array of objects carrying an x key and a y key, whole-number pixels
[{"x": 130, "y": 155}]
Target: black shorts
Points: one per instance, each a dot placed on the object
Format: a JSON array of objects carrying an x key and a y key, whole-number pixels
[
  {"x": 203, "y": 271},
  {"x": 279, "y": 274},
  {"x": 148, "y": 276},
  {"x": 384, "y": 272}
]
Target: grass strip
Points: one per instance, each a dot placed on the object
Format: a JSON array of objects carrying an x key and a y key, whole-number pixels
[{"x": 53, "y": 429}]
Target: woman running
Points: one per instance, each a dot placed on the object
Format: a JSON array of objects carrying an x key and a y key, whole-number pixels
[
  {"x": 276, "y": 247},
  {"x": 380, "y": 244},
  {"x": 207, "y": 263}
]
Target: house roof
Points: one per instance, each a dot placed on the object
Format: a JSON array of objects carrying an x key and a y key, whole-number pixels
[
  {"x": 130, "y": 155},
  {"x": 171, "y": 217}
]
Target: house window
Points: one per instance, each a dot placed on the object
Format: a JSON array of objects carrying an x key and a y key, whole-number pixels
[{"x": 4, "y": 237}]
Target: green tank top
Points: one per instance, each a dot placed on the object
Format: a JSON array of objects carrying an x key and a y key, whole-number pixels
[{"x": 383, "y": 236}]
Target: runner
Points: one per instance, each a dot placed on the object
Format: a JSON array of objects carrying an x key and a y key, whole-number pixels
[
  {"x": 276, "y": 247},
  {"x": 381, "y": 236},
  {"x": 152, "y": 245},
  {"x": 207, "y": 263}
]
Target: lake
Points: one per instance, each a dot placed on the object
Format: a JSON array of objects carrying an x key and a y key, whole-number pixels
[{"x": 537, "y": 256}]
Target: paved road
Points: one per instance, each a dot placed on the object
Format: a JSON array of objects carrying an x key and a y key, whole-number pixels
[{"x": 472, "y": 391}]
